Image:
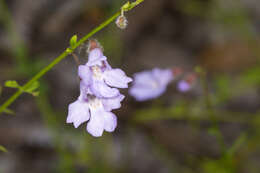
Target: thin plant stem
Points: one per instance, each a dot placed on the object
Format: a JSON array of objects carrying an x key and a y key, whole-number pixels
[
  {"x": 63, "y": 55},
  {"x": 211, "y": 113}
]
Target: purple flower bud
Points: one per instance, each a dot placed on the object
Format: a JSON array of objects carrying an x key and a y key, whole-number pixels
[
  {"x": 187, "y": 83},
  {"x": 93, "y": 44},
  {"x": 183, "y": 86},
  {"x": 121, "y": 22},
  {"x": 150, "y": 84}
]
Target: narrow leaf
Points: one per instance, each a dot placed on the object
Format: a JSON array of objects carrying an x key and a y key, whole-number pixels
[
  {"x": 12, "y": 84},
  {"x": 73, "y": 40},
  {"x": 126, "y": 6},
  {"x": 237, "y": 144}
]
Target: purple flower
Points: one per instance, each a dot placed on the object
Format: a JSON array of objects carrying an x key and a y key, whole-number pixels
[
  {"x": 96, "y": 57},
  {"x": 99, "y": 93},
  {"x": 101, "y": 77},
  {"x": 78, "y": 113},
  {"x": 187, "y": 83},
  {"x": 183, "y": 86},
  {"x": 96, "y": 111},
  {"x": 150, "y": 84}
]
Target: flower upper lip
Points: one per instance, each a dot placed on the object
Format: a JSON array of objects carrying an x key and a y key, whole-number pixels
[{"x": 96, "y": 57}]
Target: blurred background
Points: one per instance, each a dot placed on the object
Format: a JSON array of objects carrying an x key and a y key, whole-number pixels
[{"x": 213, "y": 128}]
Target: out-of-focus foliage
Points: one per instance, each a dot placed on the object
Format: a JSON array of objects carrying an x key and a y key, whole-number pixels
[{"x": 3, "y": 149}]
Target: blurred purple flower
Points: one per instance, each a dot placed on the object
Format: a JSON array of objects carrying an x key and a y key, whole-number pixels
[
  {"x": 183, "y": 86},
  {"x": 187, "y": 83},
  {"x": 96, "y": 110},
  {"x": 150, "y": 84}
]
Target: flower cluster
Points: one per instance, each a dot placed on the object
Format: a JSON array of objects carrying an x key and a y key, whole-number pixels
[
  {"x": 99, "y": 93},
  {"x": 152, "y": 84}
]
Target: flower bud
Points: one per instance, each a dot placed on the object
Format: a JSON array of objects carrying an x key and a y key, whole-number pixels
[
  {"x": 93, "y": 44},
  {"x": 187, "y": 83},
  {"x": 121, "y": 22}
]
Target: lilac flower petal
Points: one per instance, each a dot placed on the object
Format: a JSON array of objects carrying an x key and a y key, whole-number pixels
[
  {"x": 144, "y": 93},
  {"x": 97, "y": 122},
  {"x": 150, "y": 84},
  {"x": 96, "y": 57},
  {"x": 163, "y": 76},
  {"x": 116, "y": 78},
  {"x": 78, "y": 113},
  {"x": 100, "y": 89},
  {"x": 84, "y": 92},
  {"x": 143, "y": 78},
  {"x": 110, "y": 121},
  {"x": 183, "y": 86},
  {"x": 85, "y": 73},
  {"x": 106, "y": 66},
  {"x": 112, "y": 103}
]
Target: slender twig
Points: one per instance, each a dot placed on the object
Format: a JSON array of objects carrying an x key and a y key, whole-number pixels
[{"x": 64, "y": 54}]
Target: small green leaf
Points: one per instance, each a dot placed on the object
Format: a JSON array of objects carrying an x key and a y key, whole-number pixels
[
  {"x": 12, "y": 84},
  {"x": 33, "y": 87},
  {"x": 73, "y": 40},
  {"x": 3, "y": 149},
  {"x": 69, "y": 50},
  {"x": 30, "y": 89},
  {"x": 138, "y": 1},
  {"x": 126, "y": 6}
]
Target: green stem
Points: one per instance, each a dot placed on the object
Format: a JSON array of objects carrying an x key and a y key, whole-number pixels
[
  {"x": 63, "y": 55},
  {"x": 212, "y": 114}
]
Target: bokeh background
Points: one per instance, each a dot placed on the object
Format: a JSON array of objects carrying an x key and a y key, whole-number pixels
[{"x": 213, "y": 128}]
